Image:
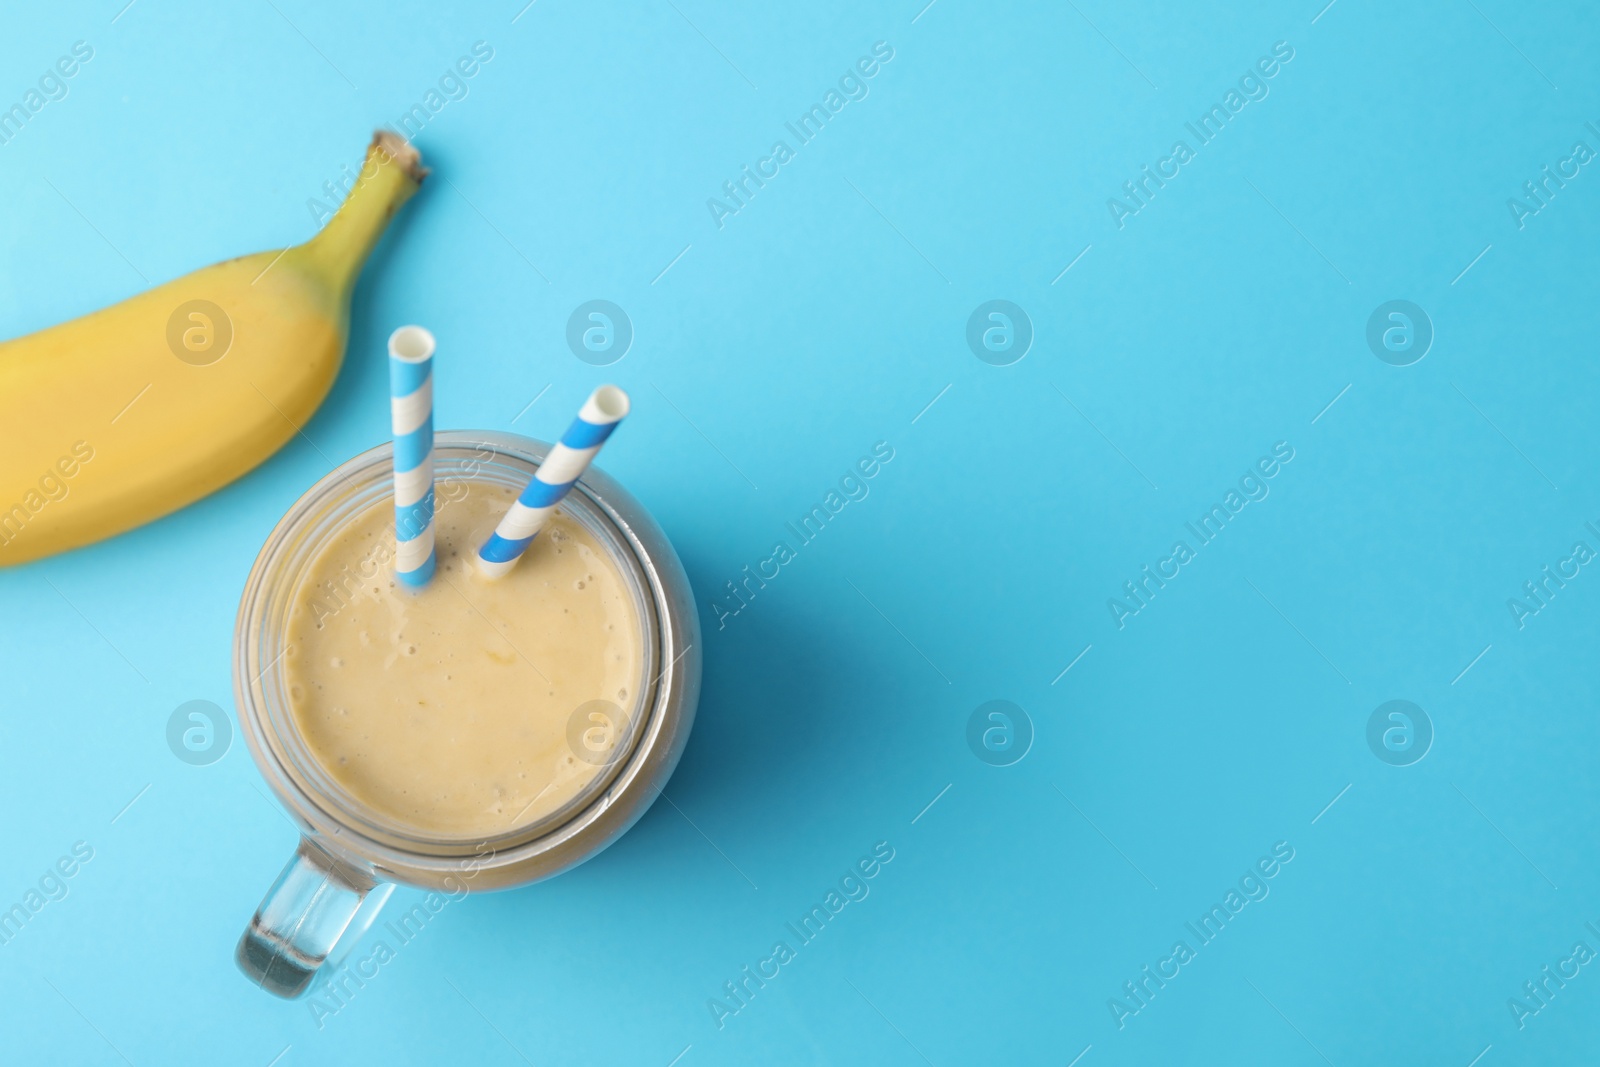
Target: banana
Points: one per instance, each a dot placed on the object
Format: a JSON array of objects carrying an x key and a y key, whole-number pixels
[{"x": 120, "y": 417}]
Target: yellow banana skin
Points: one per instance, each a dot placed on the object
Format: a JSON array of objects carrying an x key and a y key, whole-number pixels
[{"x": 120, "y": 417}]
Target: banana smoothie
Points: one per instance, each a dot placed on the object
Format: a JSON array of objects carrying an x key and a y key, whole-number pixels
[{"x": 466, "y": 708}]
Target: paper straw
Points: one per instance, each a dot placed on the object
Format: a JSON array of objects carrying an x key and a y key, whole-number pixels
[
  {"x": 566, "y": 462},
  {"x": 411, "y": 411}
]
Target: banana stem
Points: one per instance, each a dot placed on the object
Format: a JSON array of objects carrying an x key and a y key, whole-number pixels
[{"x": 391, "y": 173}]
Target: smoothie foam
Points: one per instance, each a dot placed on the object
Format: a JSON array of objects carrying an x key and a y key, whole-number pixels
[{"x": 449, "y": 708}]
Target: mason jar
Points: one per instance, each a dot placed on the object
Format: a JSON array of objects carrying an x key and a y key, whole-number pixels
[{"x": 350, "y": 856}]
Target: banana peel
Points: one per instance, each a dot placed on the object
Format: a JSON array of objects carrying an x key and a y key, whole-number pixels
[{"x": 122, "y": 416}]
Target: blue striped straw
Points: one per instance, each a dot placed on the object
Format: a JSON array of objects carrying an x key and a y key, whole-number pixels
[
  {"x": 411, "y": 412},
  {"x": 555, "y": 477}
]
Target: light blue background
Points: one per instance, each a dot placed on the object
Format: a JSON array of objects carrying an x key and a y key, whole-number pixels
[{"x": 774, "y": 352}]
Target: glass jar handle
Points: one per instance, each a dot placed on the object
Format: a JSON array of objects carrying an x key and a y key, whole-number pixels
[{"x": 302, "y": 917}]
